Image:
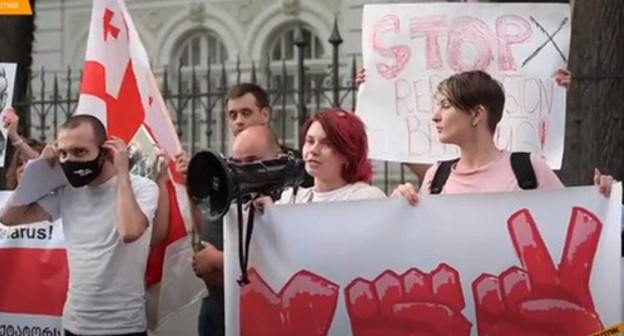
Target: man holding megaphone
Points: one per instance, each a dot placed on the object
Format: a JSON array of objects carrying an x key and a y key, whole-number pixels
[
  {"x": 252, "y": 147},
  {"x": 247, "y": 107}
]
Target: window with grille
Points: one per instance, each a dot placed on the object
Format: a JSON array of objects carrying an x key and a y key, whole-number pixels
[
  {"x": 283, "y": 56},
  {"x": 195, "y": 82}
]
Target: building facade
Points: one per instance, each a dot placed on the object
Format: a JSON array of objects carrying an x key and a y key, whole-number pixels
[
  {"x": 200, "y": 31},
  {"x": 199, "y": 46}
]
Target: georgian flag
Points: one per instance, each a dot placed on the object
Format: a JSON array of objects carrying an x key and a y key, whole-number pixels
[{"x": 118, "y": 87}]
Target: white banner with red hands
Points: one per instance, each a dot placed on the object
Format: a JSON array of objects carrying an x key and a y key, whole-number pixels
[
  {"x": 118, "y": 86},
  {"x": 524, "y": 263}
]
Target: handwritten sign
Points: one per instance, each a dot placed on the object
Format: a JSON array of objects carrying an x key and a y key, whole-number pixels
[{"x": 409, "y": 48}]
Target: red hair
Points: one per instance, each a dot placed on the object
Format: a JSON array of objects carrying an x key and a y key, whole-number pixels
[{"x": 347, "y": 135}]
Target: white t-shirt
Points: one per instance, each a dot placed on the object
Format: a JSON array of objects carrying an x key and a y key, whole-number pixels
[
  {"x": 106, "y": 292},
  {"x": 353, "y": 191}
]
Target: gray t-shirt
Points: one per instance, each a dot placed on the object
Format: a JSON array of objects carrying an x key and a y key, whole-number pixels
[{"x": 106, "y": 292}]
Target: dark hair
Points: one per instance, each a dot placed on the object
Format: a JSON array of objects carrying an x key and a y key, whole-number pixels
[
  {"x": 99, "y": 131},
  {"x": 347, "y": 135},
  {"x": 11, "y": 173},
  {"x": 242, "y": 89},
  {"x": 468, "y": 89}
]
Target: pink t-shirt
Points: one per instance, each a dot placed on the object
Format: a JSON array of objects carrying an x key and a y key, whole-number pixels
[{"x": 496, "y": 176}]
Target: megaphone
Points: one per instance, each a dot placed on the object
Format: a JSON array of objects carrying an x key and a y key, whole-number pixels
[{"x": 213, "y": 182}]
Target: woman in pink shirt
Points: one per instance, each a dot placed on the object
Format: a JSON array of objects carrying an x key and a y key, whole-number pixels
[{"x": 469, "y": 106}]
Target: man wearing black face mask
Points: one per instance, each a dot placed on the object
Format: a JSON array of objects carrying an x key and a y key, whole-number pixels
[{"x": 107, "y": 216}]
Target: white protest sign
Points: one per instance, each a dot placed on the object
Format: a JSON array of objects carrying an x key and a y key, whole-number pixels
[
  {"x": 143, "y": 154},
  {"x": 531, "y": 262},
  {"x": 7, "y": 84},
  {"x": 409, "y": 48},
  {"x": 7, "y": 88}
]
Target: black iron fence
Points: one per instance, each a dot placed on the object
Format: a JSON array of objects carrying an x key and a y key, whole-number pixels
[{"x": 195, "y": 94}]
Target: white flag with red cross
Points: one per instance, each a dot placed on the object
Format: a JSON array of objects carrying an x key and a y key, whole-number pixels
[
  {"x": 33, "y": 281},
  {"x": 118, "y": 87}
]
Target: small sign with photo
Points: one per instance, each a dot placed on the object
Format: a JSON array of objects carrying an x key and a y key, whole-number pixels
[
  {"x": 143, "y": 152},
  {"x": 7, "y": 87}
]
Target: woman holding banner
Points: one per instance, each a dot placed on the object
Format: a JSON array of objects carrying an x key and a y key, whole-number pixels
[
  {"x": 563, "y": 77},
  {"x": 335, "y": 152},
  {"x": 469, "y": 106}
]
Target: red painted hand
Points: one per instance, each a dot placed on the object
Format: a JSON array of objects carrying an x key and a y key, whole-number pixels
[
  {"x": 540, "y": 299},
  {"x": 304, "y": 306},
  {"x": 414, "y": 303}
]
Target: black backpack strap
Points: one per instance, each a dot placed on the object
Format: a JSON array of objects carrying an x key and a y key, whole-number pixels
[
  {"x": 523, "y": 169},
  {"x": 441, "y": 175},
  {"x": 622, "y": 244}
]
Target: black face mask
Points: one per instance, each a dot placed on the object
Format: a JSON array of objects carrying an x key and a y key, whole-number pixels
[{"x": 81, "y": 173}]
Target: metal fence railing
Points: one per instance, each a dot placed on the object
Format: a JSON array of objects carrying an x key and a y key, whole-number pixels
[{"x": 195, "y": 99}]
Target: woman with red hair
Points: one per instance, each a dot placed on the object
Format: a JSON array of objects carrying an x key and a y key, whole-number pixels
[{"x": 335, "y": 151}]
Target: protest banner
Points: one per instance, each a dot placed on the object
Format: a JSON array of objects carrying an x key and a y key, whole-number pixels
[
  {"x": 409, "y": 48},
  {"x": 33, "y": 284},
  {"x": 531, "y": 262}
]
